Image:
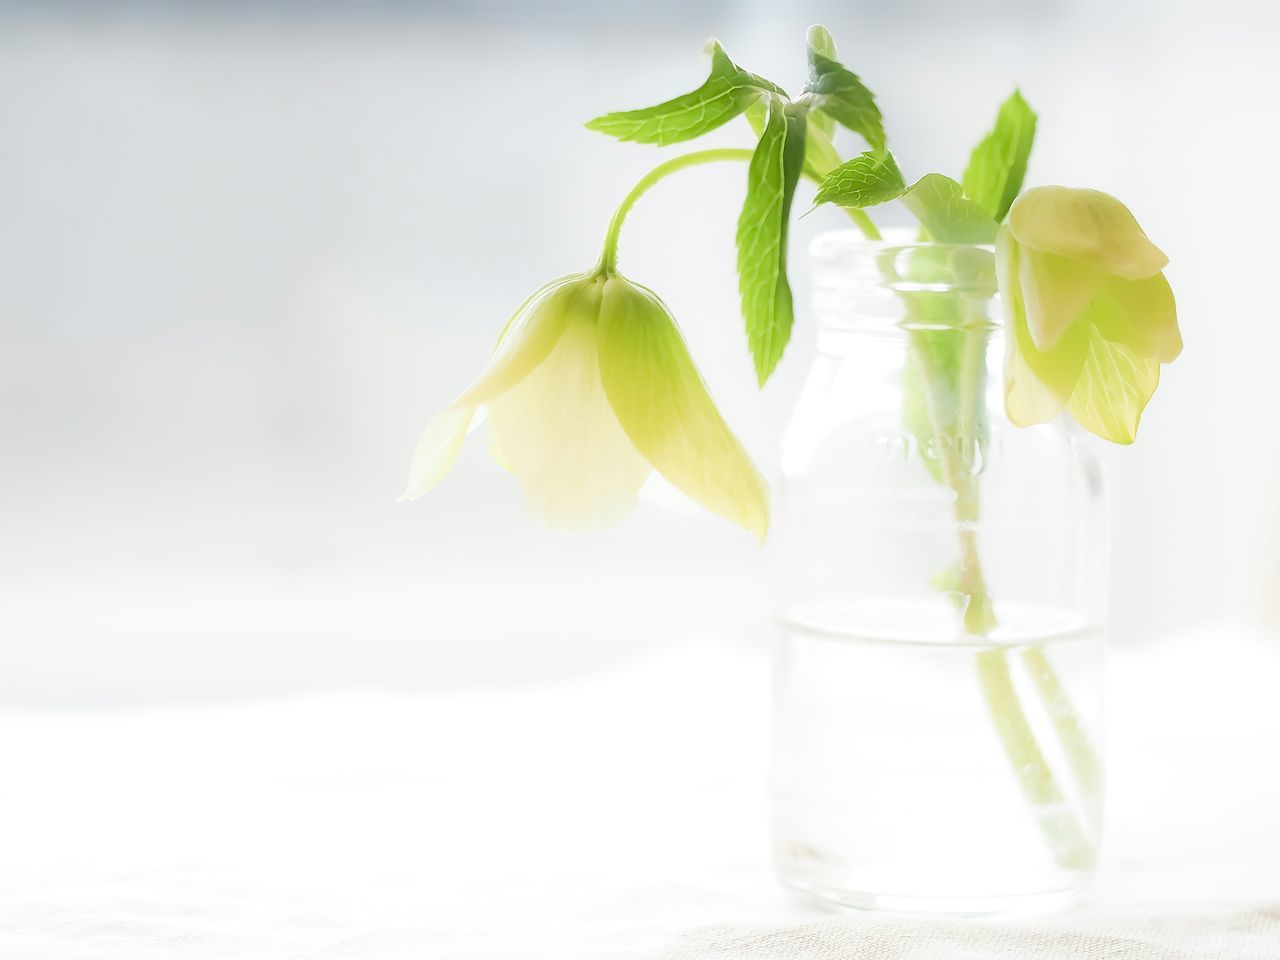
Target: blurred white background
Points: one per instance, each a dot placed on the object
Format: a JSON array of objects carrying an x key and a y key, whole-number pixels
[{"x": 247, "y": 249}]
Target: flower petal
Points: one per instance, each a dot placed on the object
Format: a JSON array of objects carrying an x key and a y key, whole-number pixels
[
  {"x": 532, "y": 333},
  {"x": 663, "y": 404},
  {"x": 524, "y": 342},
  {"x": 1055, "y": 293},
  {"x": 556, "y": 432},
  {"x": 437, "y": 451},
  {"x": 1037, "y": 384},
  {"x": 1085, "y": 225},
  {"x": 1115, "y": 385},
  {"x": 1141, "y": 314}
]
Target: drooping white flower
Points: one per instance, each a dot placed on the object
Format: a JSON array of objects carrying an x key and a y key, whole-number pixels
[{"x": 590, "y": 389}]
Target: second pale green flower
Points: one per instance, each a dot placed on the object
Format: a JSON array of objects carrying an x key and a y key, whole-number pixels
[
  {"x": 1089, "y": 313},
  {"x": 590, "y": 389}
]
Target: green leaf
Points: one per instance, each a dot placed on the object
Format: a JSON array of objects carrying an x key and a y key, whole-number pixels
[
  {"x": 944, "y": 211},
  {"x": 821, "y": 42},
  {"x": 727, "y": 92},
  {"x": 864, "y": 181},
  {"x": 839, "y": 93},
  {"x": 762, "y": 234},
  {"x": 820, "y": 156},
  {"x": 998, "y": 164}
]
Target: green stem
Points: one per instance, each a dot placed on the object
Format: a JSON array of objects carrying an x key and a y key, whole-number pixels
[
  {"x": 1063, "y": 832},
  {"x": 609, "y": 256},
  {"x": 859, "y": 217},
  {"x": 1076, "y": 744},
  {"x": 1071, "y": 848},
  {"x": 979, "y": 616}
]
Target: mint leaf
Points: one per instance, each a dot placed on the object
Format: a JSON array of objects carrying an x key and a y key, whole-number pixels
[
  {"x": 820, "y": 156},
  {"x": 947, "y": 215},
  {"x": 839, "y": 93},
  {"x": 997, "y": 165},
  {"x": 864, "y": 181},
  {"x": 727, "y": 92},
  {"x": 762, "y": 234},
  {"x": 820, "y": 41}
]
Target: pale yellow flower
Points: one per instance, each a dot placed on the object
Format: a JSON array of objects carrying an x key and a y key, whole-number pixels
[
  {"x": 1090, "y": 316},
  {"x": 590, "y": 389}
]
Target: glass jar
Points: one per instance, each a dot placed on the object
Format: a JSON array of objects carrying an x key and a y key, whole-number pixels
[{"x": 942, "y": 587}]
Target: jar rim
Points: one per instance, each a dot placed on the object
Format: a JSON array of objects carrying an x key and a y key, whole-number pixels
[{"x": 861, "y": 284}]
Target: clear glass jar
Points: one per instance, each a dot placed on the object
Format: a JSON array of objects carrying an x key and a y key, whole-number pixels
[{"x": 942, "y": 586}]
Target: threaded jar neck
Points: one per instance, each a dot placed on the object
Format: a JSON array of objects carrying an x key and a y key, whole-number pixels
[{"x": 901, "y": 284}]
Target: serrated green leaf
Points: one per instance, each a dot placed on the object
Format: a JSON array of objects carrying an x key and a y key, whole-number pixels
[
  {"x": 998, "y": 164},
  {"x": 840, "y": 94},
  {"x": 762, "y": 234},
  {"x": 820, "y": 155},
  {"x": 727, "y": 92},
  {"x": 864, "y": 181},
  {"x": 949, "y": 216},
  {"x": 820, "y": 41}
]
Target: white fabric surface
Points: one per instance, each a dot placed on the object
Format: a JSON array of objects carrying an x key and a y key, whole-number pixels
[
  {"x": 613, "y": 817},
  {"x": 1133, "y": 934}
]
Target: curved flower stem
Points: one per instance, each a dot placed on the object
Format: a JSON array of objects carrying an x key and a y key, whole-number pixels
[{"x": 609, "y": 256}]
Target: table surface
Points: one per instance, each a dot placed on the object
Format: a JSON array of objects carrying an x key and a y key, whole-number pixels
[{"x": 598, "y": 817}]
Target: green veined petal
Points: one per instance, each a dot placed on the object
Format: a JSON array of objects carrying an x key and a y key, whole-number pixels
[
  {"x": 663, "y": 405},
  {"x": 1141, "y": 314},
  {"x": 1085, "y": 225},
  {"x": 1115, "y": 385}
]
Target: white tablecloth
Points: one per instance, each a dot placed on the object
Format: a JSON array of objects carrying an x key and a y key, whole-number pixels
[{"x": 614, "y": 816}]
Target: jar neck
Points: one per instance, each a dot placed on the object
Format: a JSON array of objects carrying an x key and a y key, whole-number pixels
[{"x": 896, "y": 288}]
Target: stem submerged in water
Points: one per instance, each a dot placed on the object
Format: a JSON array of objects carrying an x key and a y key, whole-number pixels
[
  {"x": 951, "y": 439},
  {"x": 1068, "y": 842}
]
